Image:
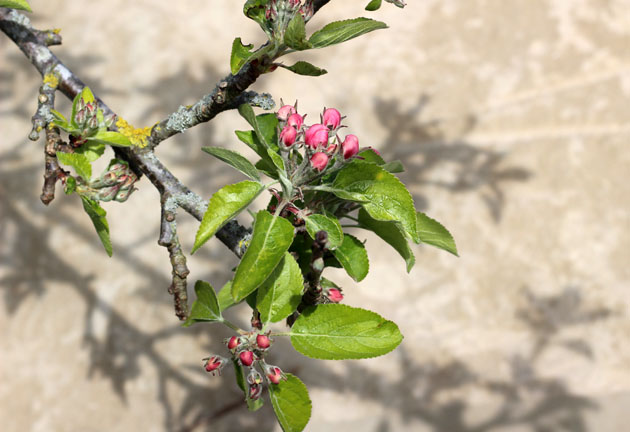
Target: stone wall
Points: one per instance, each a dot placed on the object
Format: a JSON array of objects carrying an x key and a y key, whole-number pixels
[{"x": 512, "y": 120}]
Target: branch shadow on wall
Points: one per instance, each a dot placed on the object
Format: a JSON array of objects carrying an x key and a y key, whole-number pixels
[
  {"x": 119, "y": 352},
  {"x": 435, "y": 394},
  {"x": 431, "y": 159}
]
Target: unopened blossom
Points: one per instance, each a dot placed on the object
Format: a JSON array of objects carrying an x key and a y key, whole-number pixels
[
  {"x": 246, "y": 357},
  {"x": 331, "y": 118},
  {"x": 350, "y": 146},
  {"x": 335, "y": 295},
  {"x": 319, "y": 161},
  {"x": 296, "y": 121},
  {"x": 214, "y": 364},
  {"x": 288, "y": 135},
  {"x": 274, "y": 374},
  {"x": 316, "y": 135},
  {"x": 233, "y": 343},
  {"x": 285, "y": 111},
  {"x": 263, "y": 341}
]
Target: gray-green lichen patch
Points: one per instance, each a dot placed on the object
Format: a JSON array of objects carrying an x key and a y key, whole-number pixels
[
  {"x": 181, "y": 120},
  {"x": 263, "y": 100},
  {"x": 19, "y": 18},
  {"x": 192, "y": 200}
]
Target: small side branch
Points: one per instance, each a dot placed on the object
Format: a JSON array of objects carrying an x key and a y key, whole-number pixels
[
  {"x": 52, "y": 170},
  {"x": 170, "y": 240}
]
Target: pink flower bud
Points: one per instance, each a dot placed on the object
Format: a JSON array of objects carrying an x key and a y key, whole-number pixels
[
  {"x": 331, "y": 149},
  {"x": 255, "y": 390},
  {"x": 263, "y": 341},
  {"x": 247, "y": 358},
  {"x": 214, "y": 364},
  {"x": 233, "y": 343},
  {"x": 274, "y": 374},
  {"x": 332, "y": 118},
  {"x": 350, "y": 146},
  {"x": 285, "y": 111},
  {"x": 288, "y": 135},
  {"x": 296, "y": 121},
  {"x": 316, "y": 135},
  {"x": 334, "y": 295},
  {"x": 319, "y": 161}
]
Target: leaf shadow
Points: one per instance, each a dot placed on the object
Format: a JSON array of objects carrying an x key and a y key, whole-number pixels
[
  {"x": 434, "y": 393},
  {"x": 432, "y": 159}
]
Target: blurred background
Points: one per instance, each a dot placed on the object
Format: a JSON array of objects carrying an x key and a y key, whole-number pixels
[{"x": 512, "y": 121}]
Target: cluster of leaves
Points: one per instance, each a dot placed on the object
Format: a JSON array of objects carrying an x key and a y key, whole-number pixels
[
  {"x": 279, "y": 276},
  {"x": 301, "y": 232},
  {"x": 88, "y": 136}
]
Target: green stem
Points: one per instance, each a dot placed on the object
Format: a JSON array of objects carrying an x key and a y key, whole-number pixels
[{"x": 232, "y": 326}]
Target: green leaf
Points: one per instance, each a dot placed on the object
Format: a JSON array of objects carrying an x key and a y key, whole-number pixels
[
  {"x": 305, "y": 68},
  {"x": 281, "y": 293},
  {"x": 341, "y": 31},
  {"x": 389, "y": 199},
  {"x": 268, "y": 127},
  {"x": 241, "y": 381},
  {"x": 91, "y": 150},
  {"x": 224, "y": 205},
  {"x": 246, "y": 111},
  {"x": 271, "y": 238},
  {"x": 432, "y": 232},
  {"x": 392, "y": 233},
  {"x": 337, "y": 332},
  {"x": 225, "y": 297},
  {"x": 234, "y": 159},
  {"x": 206, "y": 307},
  {"x": 97, "y": 215},
  {"x": 353, "y": 257},
  {"x": 249, "y": 138},
  {"x": 112, "y": 138},
  {"x": 16, "y": 4},
  {"x": 394, "y": 167},
  {"x": 87, "y": 95},
  {"x": 318, "y": 222},
  {"x": 373, "y": 5},
  {"x": 342, "y": 193},
  {"x": 71, "y": 185},
  {"x": 77, "y": 161},
  {"x": 240, "y": 54},
  {"x": 295, "y": 35},
  {"x": 255, "y": 10},
  {"x": 291, "y": 403},
  {"x": 370, "y": 155},
  {"x": 59, "y": 119}
]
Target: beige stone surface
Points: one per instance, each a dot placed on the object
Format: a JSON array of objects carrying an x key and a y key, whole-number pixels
[{"x": 512, "y": 118}]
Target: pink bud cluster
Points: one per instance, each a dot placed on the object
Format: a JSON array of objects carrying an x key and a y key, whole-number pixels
[
  {"x": 320, "y": 139},
  {"x": 249, "y": 351},
  {"x": 283, "y": 10}
]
